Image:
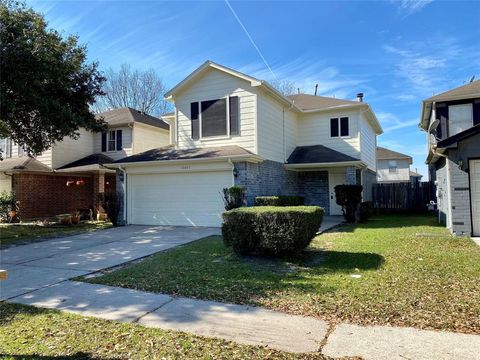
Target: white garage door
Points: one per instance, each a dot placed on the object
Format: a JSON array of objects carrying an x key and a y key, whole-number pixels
[
  {"x": 475, "y": 194},
  {"x": 189, "y": 199}
]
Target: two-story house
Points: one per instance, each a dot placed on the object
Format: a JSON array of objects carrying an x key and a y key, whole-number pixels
[
  {"x": 70, "y": 175},
  {"x": 452, "y": 122},
  {"x": 230, "y": 128},
  {"x": 392, "y": 166}
]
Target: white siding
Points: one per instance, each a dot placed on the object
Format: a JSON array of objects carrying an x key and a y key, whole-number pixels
[
  {"x": 69, "y": 150},
  {"x": 314, "y": 129},
  {"x": 146, "y": 137},
  {"x": 215, "y": 85},
  {"x": 5, "y": 183},
  {"x": 368, "y": 144},
  {"x": 45, "y": 157},
  {"x": 383, "y": 174},
  {"x": 271, "y": 116},
  {"x": 126, "y": 143}
]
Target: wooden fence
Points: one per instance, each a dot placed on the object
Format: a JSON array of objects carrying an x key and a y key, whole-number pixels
[{"x": 403, "y": 197}]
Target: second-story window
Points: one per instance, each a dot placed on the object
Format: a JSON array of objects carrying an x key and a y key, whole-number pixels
[
  {"x": 392, "y": 167},
  {"x": 21, "y": 151},
  {"x": 211, "y": 118},
  {"x": 6, "y": 148},
  {"x": 460, "y": 118},
  {"x": 339, "y": 127},
  {"x": 112, "y": 141}
]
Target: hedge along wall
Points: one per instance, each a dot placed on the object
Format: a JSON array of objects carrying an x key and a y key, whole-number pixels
[{"x": 271, "y": 230}]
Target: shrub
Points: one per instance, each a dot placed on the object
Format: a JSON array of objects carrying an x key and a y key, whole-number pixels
[
  {"x": 233, "y": 197},
  {"x": 348, "y": 197},
  {"x": 7, "y": 203},
  {"x": 109, "y": 202},
  {"x": 271, "y": 230},
  {"x": 281, "y": 200},
  {"x": 366, "y": 210}
]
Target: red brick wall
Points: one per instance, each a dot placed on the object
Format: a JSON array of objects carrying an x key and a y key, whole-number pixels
[{"x": 48, "y": 195}]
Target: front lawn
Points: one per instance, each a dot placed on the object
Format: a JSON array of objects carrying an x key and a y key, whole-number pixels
[
  {"x": 398, "y": 270},
  {"x": 24, "y": 233},
  {"x": 31, "y": 333}
]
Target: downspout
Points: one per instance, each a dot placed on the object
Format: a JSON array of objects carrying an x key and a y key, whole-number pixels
[{"x": 124, "y": 193}]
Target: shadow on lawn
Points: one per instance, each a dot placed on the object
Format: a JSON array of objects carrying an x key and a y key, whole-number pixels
[{"x": 77, "y": 356}]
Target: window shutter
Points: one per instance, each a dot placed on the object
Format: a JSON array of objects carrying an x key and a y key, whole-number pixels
[
  {"x": 119, "y": 140},
  {"x": 195, "y": 120},
  {"x": 234, "y": 116},
  {"x": 334, "y": 127},
  {"x": 104, "y": 141},
  {"x": 476, "y": 112},
  {"x": 441, "y": 111},
  {"x": 344, "y": 126}
]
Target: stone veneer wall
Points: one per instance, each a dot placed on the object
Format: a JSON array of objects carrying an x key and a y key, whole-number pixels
[
  {"x": 313, "y": 185},
  {"x": 369, "y": 179}
]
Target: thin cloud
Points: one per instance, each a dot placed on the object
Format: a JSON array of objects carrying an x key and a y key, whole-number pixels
[
  {"x": 251, "y": 39},
  {"x": 391, "y": 122},
  {"x": 411, "y": 6}
]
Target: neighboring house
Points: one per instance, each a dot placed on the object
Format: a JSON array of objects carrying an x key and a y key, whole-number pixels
[
  {"x": 40, "y": 183},
  {"x": 392, "y": 166},
  {"x": 415, "y": 177},
  {"x": 452, "y": 123},
  {"x": 228, "y": 129}
]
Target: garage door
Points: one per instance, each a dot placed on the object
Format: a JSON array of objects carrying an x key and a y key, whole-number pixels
[
  {"x": 475, "y": 194},
  {"x": 189, "y": 199}
]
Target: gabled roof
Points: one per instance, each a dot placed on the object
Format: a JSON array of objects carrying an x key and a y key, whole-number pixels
[
  {"x": 89, "y": 163},
  {"x": 468, "y": 91},
  {"x": 311, "y": 102},
  {"x": 317, "y": 154},
  {"x": 415, "y": 174},
  {"x": 170, "y": 153},
  {"x": 126, "y": 115},
  {"x": 24, "y": 163},
  {"x": 387, "y": 154},
  {"x": 295, "y": 102}
]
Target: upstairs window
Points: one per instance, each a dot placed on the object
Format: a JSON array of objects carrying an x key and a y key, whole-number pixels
[
  {"x": 392, "y": 167},
  {"x": 112, "y": 141},
  {"x": 212, "y": 118},
  {"x": 5, "y": 148},
  {"x": 460, "y": 118},
  {"x": 339, "y": 127}
]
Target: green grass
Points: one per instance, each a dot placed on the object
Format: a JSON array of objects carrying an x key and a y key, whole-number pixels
[
  {"x": 25, "y": 233},
  {"x": 31, "y": 333},
  {"x": 413, "y": 273}
]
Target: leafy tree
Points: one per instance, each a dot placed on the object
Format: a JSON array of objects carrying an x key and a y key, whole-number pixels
[
  {"x": 47, "y": 87},
  {"x": 141, "y": 90}
]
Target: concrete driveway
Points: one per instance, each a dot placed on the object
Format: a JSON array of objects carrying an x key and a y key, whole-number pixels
[{"x": 45, "y": 263}]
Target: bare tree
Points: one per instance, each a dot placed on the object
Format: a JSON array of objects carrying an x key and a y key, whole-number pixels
[
  {"x": 141, "y": 90},
  {"x": 286, "y": 87}
]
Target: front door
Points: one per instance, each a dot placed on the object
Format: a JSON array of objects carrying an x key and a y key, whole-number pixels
[
  {"x": 334, "y": 179},
  {"x": 475, "y": 195}
]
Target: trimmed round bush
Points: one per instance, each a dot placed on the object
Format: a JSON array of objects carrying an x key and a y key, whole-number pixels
[
  {"x": 281, "y": 200},
  {"x": 271, "y": 230}
]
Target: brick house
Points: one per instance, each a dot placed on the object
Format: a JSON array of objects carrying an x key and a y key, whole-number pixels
[{"x": 70, "y": 175}]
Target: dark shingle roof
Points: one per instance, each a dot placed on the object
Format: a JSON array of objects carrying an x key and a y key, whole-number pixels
[
  {"x": 23, "y": 163},
  {"x": 415, "y": 174},
  {"x": 128, "y": 115},
  {"x": 170, "y": 153},
  {"x": 317, "y": 154},
  {"x": 474, "y": 130},
  {"x": 470, "y": 90},
  {"x": 387, "y": 154},
  {"x": 311, "y": 102},
  {"x": 90, "y": 162}
]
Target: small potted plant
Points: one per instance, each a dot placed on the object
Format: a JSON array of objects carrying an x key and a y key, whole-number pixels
[{"x": 75, "y": 218}]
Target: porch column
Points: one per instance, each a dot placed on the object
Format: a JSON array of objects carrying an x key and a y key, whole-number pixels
[
  {"x": 351, "y": 175},
  {"x": 98, "y": 187}
]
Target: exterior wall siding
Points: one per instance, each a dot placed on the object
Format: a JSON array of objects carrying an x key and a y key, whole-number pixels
[
  {"x": 368, "y": 144},
  {"x": 69, "y": 150},
  {"x": 5, "y": 183},
  {"x": 384, "y": 175},
  {"x": 147, "y": 137},
  {"x": 216, "y": 85},
  {"x": 369, "y": 178},
  {"x": 127, "y": 143}
]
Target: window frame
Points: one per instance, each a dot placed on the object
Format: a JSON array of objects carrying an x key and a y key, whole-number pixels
[
  {"x": 390, "y": 167},
  {"x": 339, "y": 124},
  {"x": 228, "y": 134},
  {"x": 109, "y": 140},
  {"x": 450, "y": 122},
  {"x": 7, "y": 148}
]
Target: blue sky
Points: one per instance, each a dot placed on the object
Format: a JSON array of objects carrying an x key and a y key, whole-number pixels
[{"x": 396, "y": 52}]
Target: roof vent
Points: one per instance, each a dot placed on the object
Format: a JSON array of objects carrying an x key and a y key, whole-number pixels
[{"x": 360, "y": 97}]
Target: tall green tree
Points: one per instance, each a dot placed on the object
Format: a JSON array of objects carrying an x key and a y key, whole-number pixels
[{"x": 47, "y": 87}]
